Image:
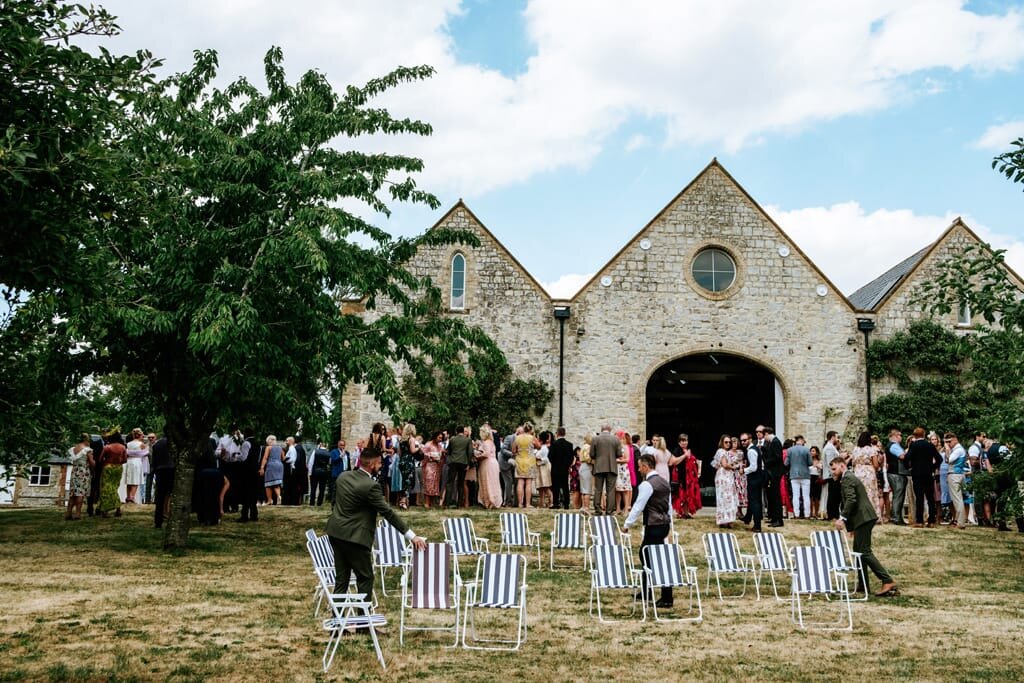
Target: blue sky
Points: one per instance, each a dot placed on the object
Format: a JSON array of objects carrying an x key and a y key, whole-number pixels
[{"x": 567, "y": 125}]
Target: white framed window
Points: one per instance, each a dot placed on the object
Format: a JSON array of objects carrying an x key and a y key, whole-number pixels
[
  {"x": 457, "y": 301},
  {"x": 963, "y": 315},
  {"x": 39, "y": 475}
]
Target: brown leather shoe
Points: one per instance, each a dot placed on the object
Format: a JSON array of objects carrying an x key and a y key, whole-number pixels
[
  {"x": 916, "y": 526},
  {"x": 887, "y": 589}
]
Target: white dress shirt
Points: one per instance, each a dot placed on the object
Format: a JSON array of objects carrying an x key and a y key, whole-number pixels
[{"x": 643, "y": 494}]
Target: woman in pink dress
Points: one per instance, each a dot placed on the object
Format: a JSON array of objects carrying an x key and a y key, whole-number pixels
[
  {"x": 487, "y": 471},
  {"x": 431, "y": 471}
]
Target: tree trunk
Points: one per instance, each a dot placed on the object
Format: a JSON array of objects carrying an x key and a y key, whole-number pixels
[{"x": 185, "y": 453}]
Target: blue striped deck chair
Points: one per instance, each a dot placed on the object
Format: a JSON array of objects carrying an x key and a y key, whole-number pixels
[
  {"x": 431, "y": 583},
  {"x": 723, "y": 555},
  {"x": 390, "y": 549},
  {"x": 665, "y": 567},
  {"x": 515, "y": 533},
  {"x": 460, "y": 535},
  {"x": 500, "y": 583},
  {"x": 604, "y": 530},
  {"x": 843, "y": 559},
  {"x": 611, "y": 568},
  {"x": 569, "y": 533},
  {"x": 322, "y": 554},
  {"x": 773, "y": 556},
  {"x": 813, "y": 574}
]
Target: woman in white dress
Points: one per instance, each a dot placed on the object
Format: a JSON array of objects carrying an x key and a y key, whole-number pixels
[
  {"x": 726, "y": 499},
  {"x": 138, "y": 450}
]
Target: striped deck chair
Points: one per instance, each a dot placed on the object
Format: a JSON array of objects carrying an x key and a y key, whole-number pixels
[
  {"x": 665, "y": 567},
  {"x": 843, "y": 559},
  {"x": 569, "y": 534},
  {"x": 515, "y": 533},
  {"x": 723, "y": 555},
  {"x": 350, "y": 611},
  {"x": 459, "y": 533},
  {"x": 604, "y": 530},
  {"x": 773, "y": 556},
  {"x": 500, "y": 584},
  {"x": 814, "y": 574},
  {"x": 322, "y": 554},
  {"x": 611, "y": 567},
  {"x": 389, "y": 550},
  {"x": 431, "y": 582}
]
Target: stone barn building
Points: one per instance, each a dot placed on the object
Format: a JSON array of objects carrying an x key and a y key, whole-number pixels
[{"x": 709, "y": 320}]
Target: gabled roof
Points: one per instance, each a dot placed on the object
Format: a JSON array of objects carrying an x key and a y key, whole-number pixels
[
  {"x": 868, "y": 297},
  {"x": 874, "y": 294},
  {"x": 714, "y": 164}
]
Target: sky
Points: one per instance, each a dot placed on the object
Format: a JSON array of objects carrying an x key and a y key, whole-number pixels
[{"x": 864, "y": 129}]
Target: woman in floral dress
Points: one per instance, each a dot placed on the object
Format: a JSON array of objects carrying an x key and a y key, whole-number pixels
[
  {"x": 691, "y": 496},
  {"x": 432, "y": 470},
  {"x": 81, "y": 481},
  {"x": 726, "y": 500},
  {"x": 742, "y": 500},
  {"x": 865, "y": 464}
]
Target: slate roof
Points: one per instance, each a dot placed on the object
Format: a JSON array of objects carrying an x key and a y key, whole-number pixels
[{"x": 868, "y": 297}]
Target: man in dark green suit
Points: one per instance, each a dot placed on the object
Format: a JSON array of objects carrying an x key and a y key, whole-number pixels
[
  {"x": 857, "y": 514},
  {"x": 460, "y": 454},
  {"x": 357, "y": 502}
]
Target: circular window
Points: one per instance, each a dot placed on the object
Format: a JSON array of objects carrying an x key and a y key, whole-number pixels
[{"x": 714, "y": 270}]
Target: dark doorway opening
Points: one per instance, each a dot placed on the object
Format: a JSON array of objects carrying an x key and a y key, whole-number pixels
[{"x": 706, "y": 395}]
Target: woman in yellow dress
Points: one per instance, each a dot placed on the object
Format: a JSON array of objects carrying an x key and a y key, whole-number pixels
[{"x": 526, "y": 464}]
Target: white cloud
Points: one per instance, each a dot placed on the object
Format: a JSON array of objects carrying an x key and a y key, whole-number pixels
[
  {"x": 725, "y": 73},
  {"x": 883, "y": 238},
  {"x": 997, "y": 138},
  {"x": 567, "y": 285},
  {"x": 638, "y": 141}
]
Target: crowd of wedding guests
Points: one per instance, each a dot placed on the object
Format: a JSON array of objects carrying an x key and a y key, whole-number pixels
[
  {"x": 925, "y": 474},
  {"x": 757, "y": 475}
]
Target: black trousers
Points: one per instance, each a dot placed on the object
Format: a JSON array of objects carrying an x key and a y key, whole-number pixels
[
  {"x": 164, "y": 487},
  {"x": 755, "y": 489},
  {"x": 924, "y": 492},
  {"x": 560, "y": 489},
  {"x": 835, "y": 498},
  {"x": 773, "y": 494},
  {"x": 318, "y": 483},
  {"x": 352, "y": 558},
  {"x": 654, "y": 535},
  {"x": 456, "y": 484},
  {"x": 250, "y": 490}
]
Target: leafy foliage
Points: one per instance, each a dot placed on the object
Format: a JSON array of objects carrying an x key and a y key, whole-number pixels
[
  {"x": 1011, "y": 163},
  {"x": 488, "y": 392},
  {"x": 926, "y": 347}
]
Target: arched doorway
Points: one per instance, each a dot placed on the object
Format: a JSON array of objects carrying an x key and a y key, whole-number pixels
[{"x": 706, "y": 395}]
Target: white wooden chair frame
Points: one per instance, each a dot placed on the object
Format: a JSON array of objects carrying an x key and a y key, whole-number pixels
[
  {"x": 515, "y": 533},
  {"x": 496, "y": 586},
  {"x": 322, "y": 554},
  {"x": 814, "y": 574},
  {"x": 773, "y": 555},
  {"x": 390, "y": 549},
  {"x": 611, "y": 568},
  {"x": 846, "y": 561},
  {"x": 436, "y": 597},
  {"x": 561, "y": 539},
  {"x": 666, "y": 568},
  {"x": 722, "y": 552},
  {"x": 351, "y": 611}
]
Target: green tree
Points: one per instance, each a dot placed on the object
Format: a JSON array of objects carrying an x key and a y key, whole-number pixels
[
  {"x": 226, "y": 273},
  {"x": 1011, "y": 163},
  {"x": 62, "y": 108},
  {"x": 487, "y": 391}
]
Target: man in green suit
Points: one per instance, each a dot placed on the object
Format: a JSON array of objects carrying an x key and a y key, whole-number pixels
[
  {"x": 857, "y": 514},
  {"x": 357, "y": 502},
  {"x": 460, "y": 454}
]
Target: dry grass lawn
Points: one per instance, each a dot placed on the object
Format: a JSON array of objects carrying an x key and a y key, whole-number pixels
[{"x": 97, "y": 601}]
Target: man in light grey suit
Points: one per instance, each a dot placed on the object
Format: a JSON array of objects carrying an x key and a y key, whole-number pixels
[
  {"x": 604, "y": 451},
  {"x": 507, "y": 468}
]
